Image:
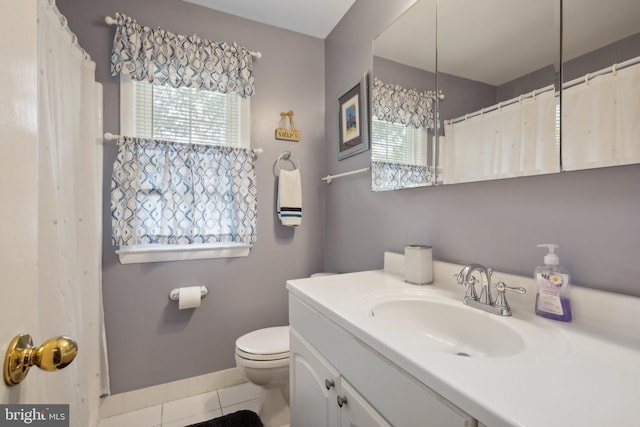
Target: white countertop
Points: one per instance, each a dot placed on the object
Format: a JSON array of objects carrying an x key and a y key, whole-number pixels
[{"x": 584, "y": 373}]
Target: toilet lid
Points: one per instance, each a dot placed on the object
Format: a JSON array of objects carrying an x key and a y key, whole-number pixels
[{"x": 268, "y": 342}]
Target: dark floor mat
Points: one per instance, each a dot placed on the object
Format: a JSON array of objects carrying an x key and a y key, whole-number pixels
[{"x": 242, "y": 418}]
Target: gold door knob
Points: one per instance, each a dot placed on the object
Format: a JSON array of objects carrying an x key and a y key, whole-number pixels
[{"x": 56, "y": 353}]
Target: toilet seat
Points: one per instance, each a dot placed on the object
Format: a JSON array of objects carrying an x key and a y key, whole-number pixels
[
  {"x": 261, "y": 357},
  {"x": 264, "y": 344}
]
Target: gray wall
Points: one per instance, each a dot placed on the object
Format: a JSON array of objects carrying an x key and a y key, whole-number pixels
[
  {"x": 527, "y": 83},
  {"x": 149, "y": 340},
  {"x": 593, "y": 215}
]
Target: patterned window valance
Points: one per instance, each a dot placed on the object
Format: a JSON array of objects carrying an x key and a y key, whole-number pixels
[
  {"x": 161, "y": 57},
  {"x": 395, "y": 104},
  {"x": 173, "y": 193}
]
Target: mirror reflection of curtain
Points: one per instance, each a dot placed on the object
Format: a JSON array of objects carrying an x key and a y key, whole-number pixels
[
  {"x": 517, "y": 139},
  {"x": 395, "y": 176},
  {"x": 601, "y": 120},
  {"x": 70, "y": 217},
  {"x": 401, "y": 120},
  {"x": 396, "y": 104}
]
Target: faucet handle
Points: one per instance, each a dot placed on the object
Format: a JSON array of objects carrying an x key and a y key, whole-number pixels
[
  {"x": 469, "y": 282},
  {"x": 501, "y": 299},
  {"x": 501, "y": 287},
  {"x": 461, "y": 279}
]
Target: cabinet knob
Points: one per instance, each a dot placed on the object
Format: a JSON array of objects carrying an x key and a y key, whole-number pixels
[
  {"x": 342, "y": 401},
  {"x": 328, "y": 384}
]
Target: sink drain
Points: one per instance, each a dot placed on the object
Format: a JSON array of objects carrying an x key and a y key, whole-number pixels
[{"x": 463, "y": 354}]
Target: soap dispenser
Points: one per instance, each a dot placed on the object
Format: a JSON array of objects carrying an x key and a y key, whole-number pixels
[{"x": 552, "y": 300}]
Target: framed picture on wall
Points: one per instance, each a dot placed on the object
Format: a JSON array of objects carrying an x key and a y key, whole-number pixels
[{"x": 353, "y": 125}]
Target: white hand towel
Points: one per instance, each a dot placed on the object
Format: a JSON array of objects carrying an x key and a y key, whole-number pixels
[{"x": 290, "y": 198}]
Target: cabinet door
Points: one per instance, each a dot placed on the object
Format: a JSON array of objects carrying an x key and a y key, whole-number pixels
[
  {"x": 313, "y": 385},
  {"x": 355, "y": 411}
]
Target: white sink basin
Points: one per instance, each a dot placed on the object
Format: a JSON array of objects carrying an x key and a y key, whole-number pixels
[{"x": 448, "y": 327}]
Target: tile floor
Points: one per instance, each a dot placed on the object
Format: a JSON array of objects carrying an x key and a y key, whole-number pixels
[{"x": 181, "y": 403}]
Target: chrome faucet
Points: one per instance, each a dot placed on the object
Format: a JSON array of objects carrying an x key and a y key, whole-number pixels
[{"x": 484, "y": 302}]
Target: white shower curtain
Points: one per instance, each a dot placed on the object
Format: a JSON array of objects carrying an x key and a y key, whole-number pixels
[
  {"x": 601, "y": 121},
  {"x": 69, "y": 219},
  {"x": 518, "y": 139}
]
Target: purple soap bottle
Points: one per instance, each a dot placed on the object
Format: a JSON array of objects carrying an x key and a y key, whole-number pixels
[{"x": 552, "y": 300}]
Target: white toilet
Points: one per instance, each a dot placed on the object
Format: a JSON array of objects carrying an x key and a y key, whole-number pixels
[{"x": 263, "y": 355}]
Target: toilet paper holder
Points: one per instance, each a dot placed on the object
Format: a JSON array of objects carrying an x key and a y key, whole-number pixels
[{"x": 174, "y": 295}]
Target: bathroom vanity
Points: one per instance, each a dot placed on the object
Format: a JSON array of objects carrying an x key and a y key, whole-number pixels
[
  {"x": 367, "y": 349},
  {"x": 320, "y": 392}
]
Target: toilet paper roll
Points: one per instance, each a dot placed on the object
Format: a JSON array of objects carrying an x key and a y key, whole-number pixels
[{"x": 189, "y": 297}]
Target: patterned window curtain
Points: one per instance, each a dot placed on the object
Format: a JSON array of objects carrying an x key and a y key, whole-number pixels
[
  {"x": 394, "y": 176},
  {"x": 173, "y": 193},
  {"x": 164, "y": 58},
  {"x": 395, "y": 104}
]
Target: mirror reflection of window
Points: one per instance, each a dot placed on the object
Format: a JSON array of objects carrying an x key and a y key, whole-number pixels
[
  {"x": 402, "y": 120},
  {"x": 396, "y": 143}
]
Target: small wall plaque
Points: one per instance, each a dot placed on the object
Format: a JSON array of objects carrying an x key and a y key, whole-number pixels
[{"x": 287, "y": 134}]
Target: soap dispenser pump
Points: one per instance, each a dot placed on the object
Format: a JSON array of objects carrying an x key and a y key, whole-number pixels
[{"x": 552, "y": 300}]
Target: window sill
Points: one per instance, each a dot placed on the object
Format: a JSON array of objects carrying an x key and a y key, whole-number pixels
[{"x": 161, "y": 253}]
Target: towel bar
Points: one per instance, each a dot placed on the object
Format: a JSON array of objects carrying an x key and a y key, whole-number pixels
[{"x": 330, "y": 178}]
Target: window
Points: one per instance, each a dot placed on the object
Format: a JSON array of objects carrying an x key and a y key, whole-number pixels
[
  {"x": 397, "y": 143},
  {"x": 183, "y": 114}
]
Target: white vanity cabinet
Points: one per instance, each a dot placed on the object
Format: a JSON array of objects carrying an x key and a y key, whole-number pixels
[
  {"x": 328, "y": 362},
  {"x": 320, "y": 397}
]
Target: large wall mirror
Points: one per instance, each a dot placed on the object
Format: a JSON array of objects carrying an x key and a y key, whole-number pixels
[{"x": 498, "y": 84}]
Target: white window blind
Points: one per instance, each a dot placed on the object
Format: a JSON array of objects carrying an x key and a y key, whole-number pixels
[
  {"x": 184, "y": 114},
  {"x": 397, "y": 143}
]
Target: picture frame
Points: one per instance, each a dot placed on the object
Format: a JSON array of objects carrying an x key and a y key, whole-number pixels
[{"x": 353, "y": 122}]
